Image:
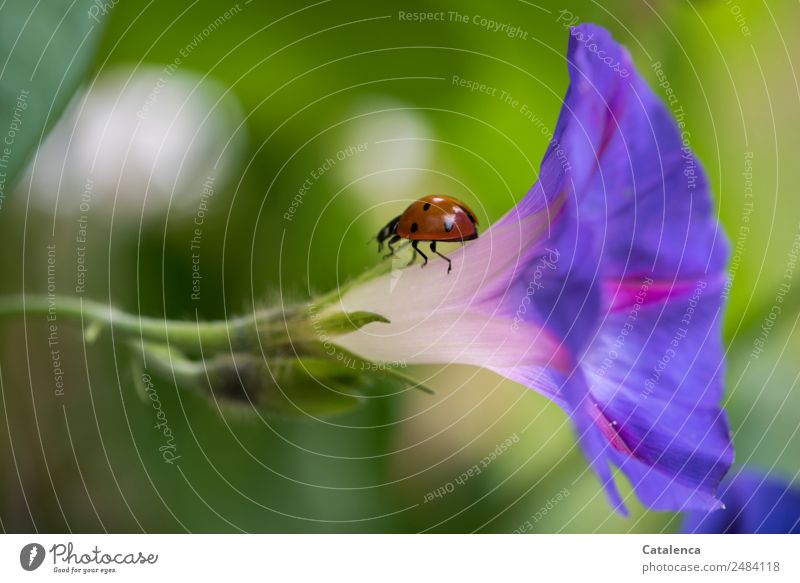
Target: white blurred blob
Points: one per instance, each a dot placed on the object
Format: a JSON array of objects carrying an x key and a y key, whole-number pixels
[
  {"x": 399, "y": 152},
  {"x": 142, "y": 137}
]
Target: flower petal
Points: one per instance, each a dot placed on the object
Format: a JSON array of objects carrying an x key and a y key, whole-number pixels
[
  {"x": 754, "y": 504},
  {"x": 655, "y": 374},
  {"x": 644, "y": 218}
]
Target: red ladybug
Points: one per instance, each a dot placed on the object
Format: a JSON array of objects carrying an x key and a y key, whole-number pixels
[{"x": 432, "y": 218}]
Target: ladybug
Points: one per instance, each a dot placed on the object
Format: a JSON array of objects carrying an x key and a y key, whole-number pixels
[{"x": 432, "y": 218}]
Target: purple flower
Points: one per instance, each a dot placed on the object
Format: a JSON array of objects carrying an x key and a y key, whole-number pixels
[
  {"x": 602, "y": 289},
  {"x": 754, "y": 504}
]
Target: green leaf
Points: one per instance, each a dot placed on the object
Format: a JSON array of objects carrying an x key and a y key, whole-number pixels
[{"x": 46, "y": 49}]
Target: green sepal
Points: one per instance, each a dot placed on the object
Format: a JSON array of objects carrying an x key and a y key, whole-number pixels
[
  {"x": 243, "y": 383},
  {"x": 407, "y": 381},
  {"x": 344, "y": 322}
]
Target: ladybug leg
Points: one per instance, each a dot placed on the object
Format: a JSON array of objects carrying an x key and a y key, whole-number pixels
[
  {"x": 413, "y": 257},
  {"x": 449, "y": 263},
  {"x": 390, "y": 244},
  {"x": 416, "y": 250}
]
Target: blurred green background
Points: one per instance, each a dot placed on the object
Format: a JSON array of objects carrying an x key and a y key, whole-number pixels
[{"x": 273, "y": 90}]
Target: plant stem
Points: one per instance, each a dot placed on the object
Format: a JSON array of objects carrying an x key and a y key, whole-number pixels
[
  {"x": 188, "y": 334},
  {"x": 278, "y": 331}
]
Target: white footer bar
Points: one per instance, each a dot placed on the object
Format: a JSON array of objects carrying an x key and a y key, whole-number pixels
[{"x": 401, "y": 558}]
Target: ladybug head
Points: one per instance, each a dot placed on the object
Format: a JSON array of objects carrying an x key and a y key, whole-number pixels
[{"x": 389, "y": 230}]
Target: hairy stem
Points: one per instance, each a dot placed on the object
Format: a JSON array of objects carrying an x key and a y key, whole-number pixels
[{"x": 212, "y": 335}]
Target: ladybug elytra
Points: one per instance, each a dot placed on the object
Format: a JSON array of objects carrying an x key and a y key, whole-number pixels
[{"x": 431, "y": 219}]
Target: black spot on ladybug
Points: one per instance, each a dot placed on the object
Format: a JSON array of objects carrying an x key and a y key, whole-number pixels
[
  {"x": 449, "y": 223},
  {"x": 414, "y": 227},
  {"x": 426, "y": 206}
]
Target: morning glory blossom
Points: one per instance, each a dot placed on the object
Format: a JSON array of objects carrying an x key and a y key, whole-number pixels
[
  {"x": 602, "y": 289},
  {"x": 755, "y": 503}
]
